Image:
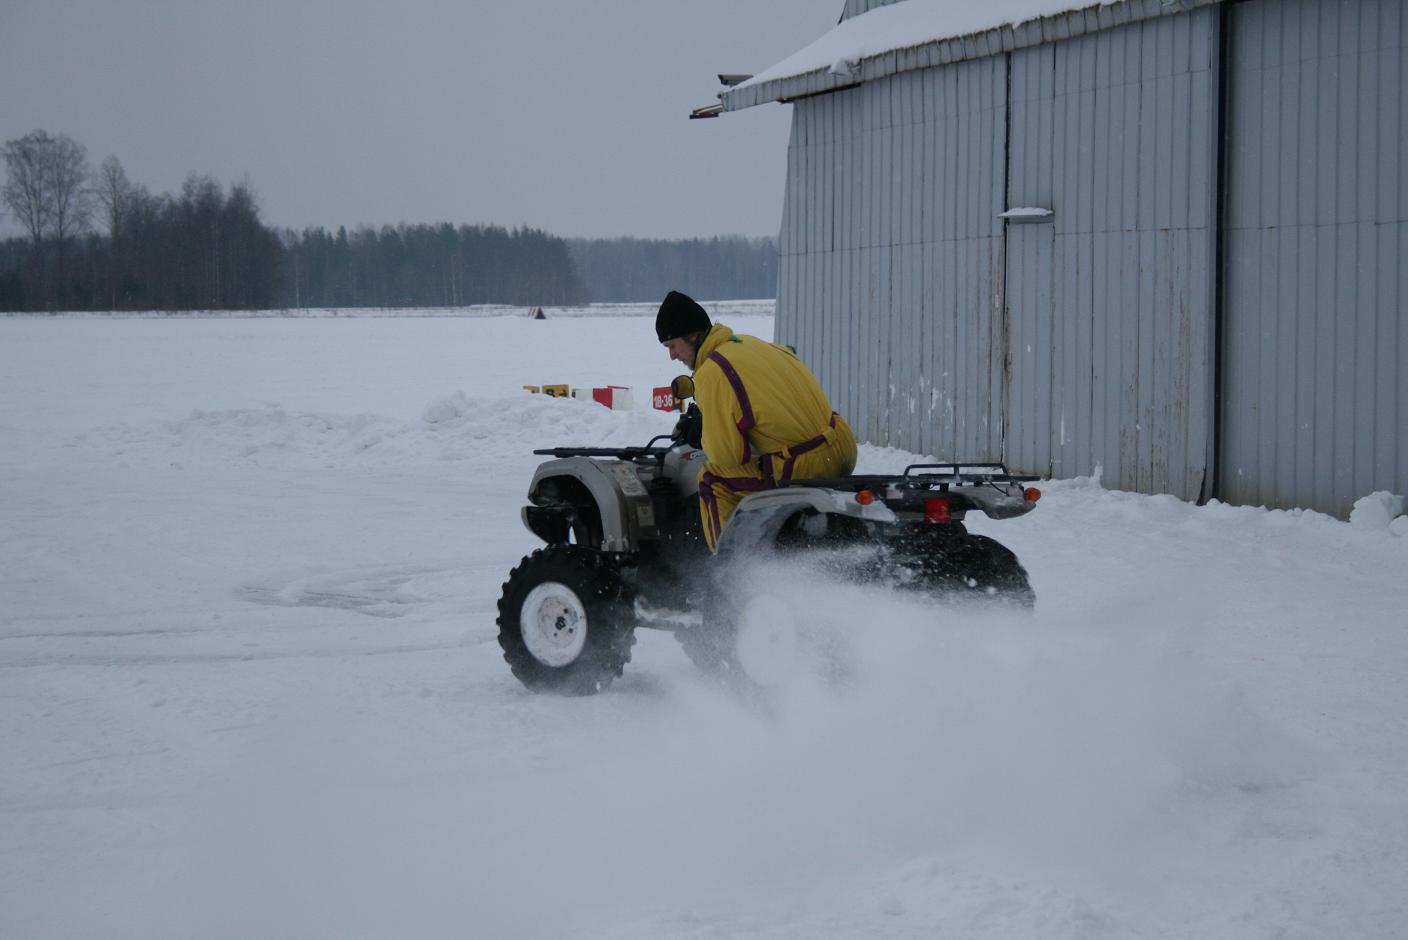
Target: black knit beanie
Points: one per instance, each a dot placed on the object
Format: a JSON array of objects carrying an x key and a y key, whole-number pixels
[{"x": 679, "y": 316}]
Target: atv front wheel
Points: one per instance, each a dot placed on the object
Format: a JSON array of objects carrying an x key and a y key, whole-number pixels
[{"x": 565, "y": 621}]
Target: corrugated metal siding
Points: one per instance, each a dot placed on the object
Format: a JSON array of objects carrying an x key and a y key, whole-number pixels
[
  {"x": 1112, "y": 305},
  {"x": 891, "y": 256},
  {"x": 899, "y": 285},
  {"x": 1315, "y": 330}
]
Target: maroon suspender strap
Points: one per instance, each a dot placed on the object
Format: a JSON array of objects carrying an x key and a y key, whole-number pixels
[
  {"x": 798, "y": 450},
  {"x": 737, "y": 484},
  {"x": 745, "y": 423},
  {"x": 711, "y": 502}
]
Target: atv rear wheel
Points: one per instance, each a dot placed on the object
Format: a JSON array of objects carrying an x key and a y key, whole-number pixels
[
  {"x": 709, "y": 645},
  {"x": 997, "y": 573},
  {"x": 565, "y": 621},
  {"x": 752, "y": 642},
  {"x": 974, "y": 568}
]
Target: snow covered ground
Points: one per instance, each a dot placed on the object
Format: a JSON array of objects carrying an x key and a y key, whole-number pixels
[{"x": 249, "y": 685}]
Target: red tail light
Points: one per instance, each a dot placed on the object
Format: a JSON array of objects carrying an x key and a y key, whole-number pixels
[
  {"x": 865, "y": 497},
  {"x": 937, "y": 510},
  {"x": 1032, "y": 494}
]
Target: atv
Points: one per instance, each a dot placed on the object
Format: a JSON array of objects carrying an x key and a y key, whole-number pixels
[{"x": 625, "y": 548}]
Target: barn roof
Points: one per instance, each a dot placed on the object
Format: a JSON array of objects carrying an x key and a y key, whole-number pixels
[{"x": 915, "y": 34}]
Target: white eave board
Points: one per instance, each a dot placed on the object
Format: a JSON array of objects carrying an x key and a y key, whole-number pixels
[{"x": 921, "y": 33}]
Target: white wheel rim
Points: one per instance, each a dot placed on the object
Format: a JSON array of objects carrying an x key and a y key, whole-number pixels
[
  {"x": 554, "y": 624},
  {"x": 766, "y": 640}
]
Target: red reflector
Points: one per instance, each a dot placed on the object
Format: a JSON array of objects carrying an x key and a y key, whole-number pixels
[
  {"x": 1032, "y": 494},
  {"x": 865, "y": 497},
  {"x": 937, "y": 510}
]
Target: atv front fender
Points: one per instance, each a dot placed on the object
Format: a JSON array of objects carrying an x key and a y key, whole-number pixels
[{"x": 622, "y": 502}]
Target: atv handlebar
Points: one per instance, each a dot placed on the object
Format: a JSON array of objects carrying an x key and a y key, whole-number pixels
[
  {"x": 688, "y": 430},
  {"x": 620, "y": 453}
]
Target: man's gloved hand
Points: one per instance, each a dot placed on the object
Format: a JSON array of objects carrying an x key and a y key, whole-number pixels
[{"x": 690, "y": 427}]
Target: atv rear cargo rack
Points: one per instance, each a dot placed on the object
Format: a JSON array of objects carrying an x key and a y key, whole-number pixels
[{"x": 933, "y": 475}]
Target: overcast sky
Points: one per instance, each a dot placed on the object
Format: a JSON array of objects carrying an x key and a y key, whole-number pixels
[{"x": 566, "y": 115}]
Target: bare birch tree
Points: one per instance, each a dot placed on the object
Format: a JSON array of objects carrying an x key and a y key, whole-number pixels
[
  {"x": 46, "y": 186},
  {"x": 114, "y": 192},
  {"x": 25, "y": 192},
  {"x": 68, "y": 187}
]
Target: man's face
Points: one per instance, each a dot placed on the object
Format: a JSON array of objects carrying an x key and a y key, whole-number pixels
[{"x": 681, "y": 349}]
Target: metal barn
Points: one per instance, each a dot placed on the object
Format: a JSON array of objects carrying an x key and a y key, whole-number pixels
[{"x": 1163, "y": 238}]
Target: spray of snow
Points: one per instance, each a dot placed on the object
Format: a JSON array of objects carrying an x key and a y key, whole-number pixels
[{"x": 903, "y": 730}]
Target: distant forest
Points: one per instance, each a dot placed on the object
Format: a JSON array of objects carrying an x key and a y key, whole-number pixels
[
  {"x": 97, "y": 241},
  {"x": 621, "y": 270},
  {"x": 427, "y": 266}
]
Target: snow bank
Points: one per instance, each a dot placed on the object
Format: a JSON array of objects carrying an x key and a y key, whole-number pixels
[
  {"x": 456, "y": 428},
  {"x": 1377, "y": 512}
]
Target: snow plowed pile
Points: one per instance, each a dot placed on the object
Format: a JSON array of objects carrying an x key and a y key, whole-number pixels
[{"x": 456, "y": 427}]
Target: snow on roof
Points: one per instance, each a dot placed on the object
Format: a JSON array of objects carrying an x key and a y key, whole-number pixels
[{"x": 910, "y": 23}]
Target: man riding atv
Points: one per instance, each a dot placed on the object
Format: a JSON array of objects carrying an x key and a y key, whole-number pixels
[
  {"x": 623, "y": 534},
  {"x": 767, "y": 420}
]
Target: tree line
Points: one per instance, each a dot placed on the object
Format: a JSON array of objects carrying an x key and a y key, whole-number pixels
[
  {"x": 428, "y": 266},
  {"x": 619, "y": 270},
  {"x": 202, "y": 248},
  {"x": 95, "y": 240}
]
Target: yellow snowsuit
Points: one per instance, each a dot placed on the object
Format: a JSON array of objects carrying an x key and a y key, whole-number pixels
[{"x": 766, "y": 420}]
